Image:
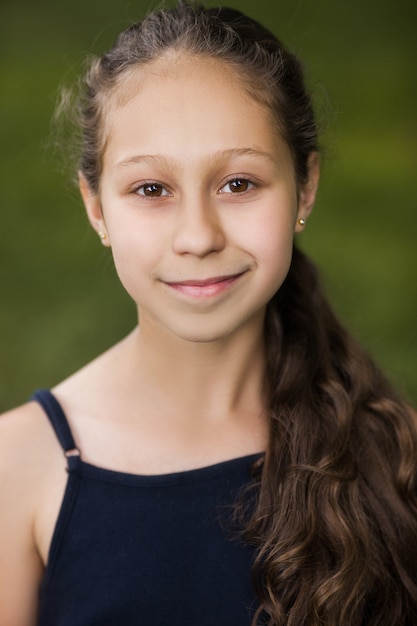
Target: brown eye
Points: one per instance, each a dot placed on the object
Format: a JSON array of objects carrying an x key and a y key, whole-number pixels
[
  {"x": 152, "y": 190},
  {"x": 237, "y": 185},
  {"x": 240, "y": 184}
]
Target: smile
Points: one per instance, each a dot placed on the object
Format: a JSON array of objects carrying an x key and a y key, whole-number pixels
[{"x": 206, "y": 288}]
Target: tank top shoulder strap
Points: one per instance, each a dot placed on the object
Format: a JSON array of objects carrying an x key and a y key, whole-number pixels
[{"x": 58, "y": 420}]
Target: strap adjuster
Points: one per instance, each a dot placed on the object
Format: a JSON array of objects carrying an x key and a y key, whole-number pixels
[{"x": 72, "y": 452}]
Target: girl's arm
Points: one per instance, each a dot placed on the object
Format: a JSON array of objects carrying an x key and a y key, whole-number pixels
[{"x": 21, "y": 469}]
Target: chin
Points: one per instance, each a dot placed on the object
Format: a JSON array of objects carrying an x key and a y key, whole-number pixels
[
  {"x": 206, "y": 331},
  {"x": 202, "y": 335}
]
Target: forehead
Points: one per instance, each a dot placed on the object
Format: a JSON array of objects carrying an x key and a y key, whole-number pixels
[
  {"x": 185, "y": 104},
  {"x": 178, "y": 65},
  {"x": 195, "y": 73}
]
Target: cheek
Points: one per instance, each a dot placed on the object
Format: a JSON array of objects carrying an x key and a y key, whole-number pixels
[
  {"x": 271, "y": 241},
  {"x": 270, "y": 235},
  {"x": 275, "y": 263},
  {"x": 135, "y": 254}
]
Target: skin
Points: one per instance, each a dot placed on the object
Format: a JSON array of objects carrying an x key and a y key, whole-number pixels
[{"x": 199, "y": 205}]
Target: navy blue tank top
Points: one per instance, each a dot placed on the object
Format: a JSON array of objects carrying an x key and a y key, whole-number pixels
[{"x": 148, "y": 550}]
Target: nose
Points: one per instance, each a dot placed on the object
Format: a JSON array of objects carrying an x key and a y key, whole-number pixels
[{"x": 198, "y": 230}]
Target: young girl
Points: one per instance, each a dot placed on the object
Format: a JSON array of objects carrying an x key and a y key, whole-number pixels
[{"x": 237, "y": 459}]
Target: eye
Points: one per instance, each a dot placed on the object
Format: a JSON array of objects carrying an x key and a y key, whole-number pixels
[
  {"x": 237, "y": 185},
  {"x": 152, "y": 190}
]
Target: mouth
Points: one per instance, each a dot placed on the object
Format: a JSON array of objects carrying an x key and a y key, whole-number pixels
[{"x": 207, "y": 287}]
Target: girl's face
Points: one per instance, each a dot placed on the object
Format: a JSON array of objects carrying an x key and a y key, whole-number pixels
[{"x": 198, "y": 199}]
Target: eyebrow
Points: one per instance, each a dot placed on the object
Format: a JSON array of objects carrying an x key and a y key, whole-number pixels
[{"x": 217, "y": 156}]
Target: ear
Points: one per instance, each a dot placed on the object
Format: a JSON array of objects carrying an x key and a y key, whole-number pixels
[
  {"x": 93, "y": 207},
  {"x": 308, "y": 191}
]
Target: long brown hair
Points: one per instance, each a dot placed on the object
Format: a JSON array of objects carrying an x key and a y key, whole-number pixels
[
  {"x": 333, "y": 510},
  {"x": 335, "y": 514}
]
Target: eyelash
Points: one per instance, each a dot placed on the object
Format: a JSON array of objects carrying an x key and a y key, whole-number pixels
[{"x": 241, "y": 180}]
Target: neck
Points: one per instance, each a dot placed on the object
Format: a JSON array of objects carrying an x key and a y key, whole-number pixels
[{"x": 214, "y": 380}]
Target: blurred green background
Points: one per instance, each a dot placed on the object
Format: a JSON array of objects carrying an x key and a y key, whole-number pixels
[{"x": 60, "y": 300}]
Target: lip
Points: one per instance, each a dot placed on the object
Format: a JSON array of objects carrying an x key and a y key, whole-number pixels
[{"x": 205, "y": 288}]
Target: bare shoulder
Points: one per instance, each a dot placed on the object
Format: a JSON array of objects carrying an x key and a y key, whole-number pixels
[
  {"x": 28, "y": 453},
  {"x": 23, "y": 434},
  {"x": 28, "y": 445}
]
